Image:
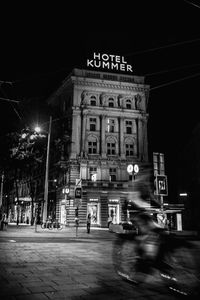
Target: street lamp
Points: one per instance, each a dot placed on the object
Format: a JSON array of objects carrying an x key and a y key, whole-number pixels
[
  {"x": 1, "y": 194},
  {"x": 46, "y": 184}
]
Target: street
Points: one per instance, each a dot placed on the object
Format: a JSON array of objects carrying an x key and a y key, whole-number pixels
[{"x": 60, "y": 265}]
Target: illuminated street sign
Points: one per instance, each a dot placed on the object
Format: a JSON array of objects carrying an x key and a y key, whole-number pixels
[
  {"x": 78, "y": 192},
  {"x": 161, "y": 185}
]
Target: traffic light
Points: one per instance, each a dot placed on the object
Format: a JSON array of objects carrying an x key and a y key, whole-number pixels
[{"x": 78, "y": 192}]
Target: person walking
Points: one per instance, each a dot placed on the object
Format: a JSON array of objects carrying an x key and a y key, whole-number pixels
[{"x": 88, "y": 222}]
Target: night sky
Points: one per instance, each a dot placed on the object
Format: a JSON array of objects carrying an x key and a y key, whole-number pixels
[{"x": 160, "y": 39}]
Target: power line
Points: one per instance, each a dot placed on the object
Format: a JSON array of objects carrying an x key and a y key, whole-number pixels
[
  {"x": 174, "y": 81},
  {"x": 171, "y": 70},
  {"x": 189, "y": 2},
  {"x": 162, "y": 47},
  {"x": 6, "y": 82},
  {"x": 9, "y": 100},
  {"x": 15, "y": 110}
]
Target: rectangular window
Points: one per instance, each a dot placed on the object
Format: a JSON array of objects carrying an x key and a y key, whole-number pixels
[
  {"x": 129, "y": 150},
  {"x": 92, "y": 147},
  {"x": 93, "y": 173},
  {"x": 129, "y": 127},
  {"x": 111, "y": 149},
  {"x": 111, "y": 125},
  {"x": 113, "y": 174},
  {"x": 93, "y": 124}
]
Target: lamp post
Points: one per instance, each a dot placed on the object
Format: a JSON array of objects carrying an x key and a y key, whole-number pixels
[
  {"x": 1, "y": 195},
  {"x": 65, "y": 191},
  {"x": 46, "y": 184}
]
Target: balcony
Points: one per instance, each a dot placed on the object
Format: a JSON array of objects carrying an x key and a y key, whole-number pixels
[{"x": 105, "y": 184}]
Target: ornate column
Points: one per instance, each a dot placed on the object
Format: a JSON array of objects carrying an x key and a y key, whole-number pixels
[
  {"x": 76, "y": 125},
  {"x": 121, "y": 137},
  {"x": 83, "y": 136},
  {"x": 139, "y": 138},
  {"x": 145, "y": 140},
  {"x": 103, "y": 141}
]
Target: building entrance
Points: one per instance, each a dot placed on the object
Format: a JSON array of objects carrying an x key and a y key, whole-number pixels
[
  {"x": 93, "y": 209},
  {"x": 63, "y": 214},
  {"x": 113, "y": 213}
]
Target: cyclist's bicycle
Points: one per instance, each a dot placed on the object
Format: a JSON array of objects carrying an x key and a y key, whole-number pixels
[
  {"x": 47, "y": 224},
  {"x": 57, "y": 225},
  {"x": 158, "y": 258},
  {"x": 51, "y": 225}
]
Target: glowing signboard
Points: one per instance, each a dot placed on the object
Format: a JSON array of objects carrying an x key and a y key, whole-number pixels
[{"x": 109, "y": 62}]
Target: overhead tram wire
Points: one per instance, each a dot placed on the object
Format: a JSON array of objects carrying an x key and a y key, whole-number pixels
[
  {"x": 191, "y": 3},
  {"x": 15, "y": 110},
  {"x": 172, "y": 70},
  {"x": 162, "y": 47},
  {"x": 174, "y": 81},
  {"x": 9, "y": 100}
]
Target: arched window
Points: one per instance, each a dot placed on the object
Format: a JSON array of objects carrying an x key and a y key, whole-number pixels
[
  {"x": 92, "y": 145},
  {"x": 111, "y": 102},
  {"x": 128, "y": 104},
  {"x": 93, "y": 101}
]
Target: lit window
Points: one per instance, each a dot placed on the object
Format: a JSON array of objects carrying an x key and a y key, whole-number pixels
[
  {"x": 113, "y": 174},
  {"x": 111, "y": 125},
  {"x": 93, "y": 173}
]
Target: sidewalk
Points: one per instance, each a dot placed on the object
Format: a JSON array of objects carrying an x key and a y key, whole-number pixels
[
  {"x": 33, "y": 267},
  {"x": 57, "y": 265},
  {"x": 24, "y": 230}
]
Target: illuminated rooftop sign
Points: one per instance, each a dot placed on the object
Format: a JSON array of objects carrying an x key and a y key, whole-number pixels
[{"x": 109, "y": 62}]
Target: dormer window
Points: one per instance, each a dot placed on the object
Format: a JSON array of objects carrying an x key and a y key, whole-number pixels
[
  {"x": 93, "y": 101},
  {"x": 128, "y": 104},
  {"x": 110, "y": 102}
]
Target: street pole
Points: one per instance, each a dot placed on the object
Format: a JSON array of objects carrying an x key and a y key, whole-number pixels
[
  {"x": 46, "y": 186},
  {"x": 1, "y": 196}
]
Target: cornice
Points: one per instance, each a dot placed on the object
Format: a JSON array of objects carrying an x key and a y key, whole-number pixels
[{"x": 111, "y": 85}]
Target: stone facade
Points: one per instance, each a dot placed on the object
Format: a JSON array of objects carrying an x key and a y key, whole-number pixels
[{"x": 107, "y": 122}]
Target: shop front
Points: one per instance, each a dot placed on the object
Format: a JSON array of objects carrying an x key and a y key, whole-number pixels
[
  {"x": 63, "y": 212},
  {"x": 113, "y": 211},
  {"x": 93, "y": 207},
  {"x": 20, "y": 211}
]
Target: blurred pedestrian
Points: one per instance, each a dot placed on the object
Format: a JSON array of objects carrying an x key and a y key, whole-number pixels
[
  {"x": 109, "y": 220},
  {"x": 88, "y": 222},
  {"x": 5, "y": 221}
]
